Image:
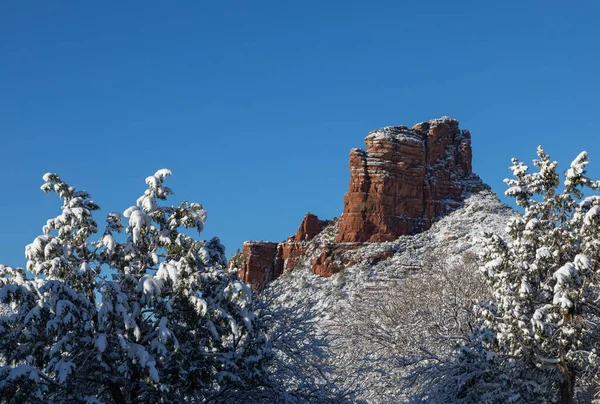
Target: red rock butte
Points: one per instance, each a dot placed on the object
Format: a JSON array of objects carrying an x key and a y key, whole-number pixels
[
  {"x": 401, "y": 182},
  {"x": 405, "y": 178}
]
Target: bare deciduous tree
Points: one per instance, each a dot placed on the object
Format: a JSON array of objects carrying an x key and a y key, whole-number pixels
[{"x": 391, "y": 334}]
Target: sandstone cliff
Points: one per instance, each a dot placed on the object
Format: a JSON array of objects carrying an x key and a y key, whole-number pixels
[
  {"x": 404, "y": 179},
  {"x": 401, "y": 182},
  {"x": 261, "y": 261}
]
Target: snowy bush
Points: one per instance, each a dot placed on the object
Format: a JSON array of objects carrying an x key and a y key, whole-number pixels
[
  {"x": 152, "y": 315},
  {"x": 545, "y": 278}
]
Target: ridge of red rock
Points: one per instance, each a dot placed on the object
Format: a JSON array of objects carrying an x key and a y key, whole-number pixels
[{"x": 401, "y": 182}]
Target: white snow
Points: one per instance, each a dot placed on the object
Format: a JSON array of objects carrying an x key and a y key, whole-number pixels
[
  {"x": 583, "y": 262},
  {"x": 109, "y": 242},
  {"x": 164, "y": 334},
  {"x": 152, "y": 182},
  {"x": 494, "y": 264},
  {"x": 564, "y": 273},
  {"x": 101, "y": 342},
  {"x": 577, "y": 167},
  {"x": 543, "y": 253},
  {"x": 525, "y": 288},
  {"x": 129, "y": 211},
  {"x": 149, "y": 287},
  {"x": 163, "y": 173},
  {"x": 138, "y": 221},
  {"x": 147, "y": 203},
  {"x": 64, "y": 369},
  {"x": 168, "y": 271},
  {"x": 593, "y": 213}
]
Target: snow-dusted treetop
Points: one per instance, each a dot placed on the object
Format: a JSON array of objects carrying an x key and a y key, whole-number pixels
[
  {"x": 545, "y": 277},
  {"x": 153, "y": 315}
]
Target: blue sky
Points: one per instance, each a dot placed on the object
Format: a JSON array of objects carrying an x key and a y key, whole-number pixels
[{"x": 254, "y": 106}]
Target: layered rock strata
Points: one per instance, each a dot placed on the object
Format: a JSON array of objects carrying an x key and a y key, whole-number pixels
[
  {"x": 399, "y": 184},
  {"x": 404, "y": 179}
]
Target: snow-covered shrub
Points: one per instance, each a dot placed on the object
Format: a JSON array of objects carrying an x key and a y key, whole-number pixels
[
  {"x": 152, "y": 315},
  {"x": 544, "y": 278},
  {"x": 300, "y": 369},
  {"x": 475, "y": 373},
  {"x": 397, "y": 336}
]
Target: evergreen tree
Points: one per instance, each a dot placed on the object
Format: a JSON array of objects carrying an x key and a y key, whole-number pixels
[
  {"x": 155, "y": 317},
  {"x": 545, "y": 277}
]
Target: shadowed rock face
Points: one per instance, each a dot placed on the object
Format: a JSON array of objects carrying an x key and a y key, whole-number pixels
[
  {"x": 402, "y": 181},
  {"x": 405, "y": 178}
]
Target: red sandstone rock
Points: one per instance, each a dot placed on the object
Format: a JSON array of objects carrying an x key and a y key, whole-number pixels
[
  {"x": 288, "y": 254},
  {"x": 404, "y": 179},
  {"x": 309, "y": 228},
  {"x": 258, "y": 266},
  {"x": 333, "y": 258},
  {"x": 265, "y": 261}
]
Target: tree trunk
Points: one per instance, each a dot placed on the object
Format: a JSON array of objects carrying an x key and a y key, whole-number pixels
[
  {"x": 567, "y": 388},
  {"x": 134, "y": 394},
  {"x": 116, "y": 393}
]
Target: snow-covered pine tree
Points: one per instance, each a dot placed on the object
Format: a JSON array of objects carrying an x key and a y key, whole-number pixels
[
  {"x": 155, "y": 317},
  {"x": 545, "y": 279}
]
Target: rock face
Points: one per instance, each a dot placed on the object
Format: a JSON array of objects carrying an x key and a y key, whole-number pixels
[
  {"x": 265, "y": 261},
  {"x": 402, "y": 181},
  {"x": 258, "y": 266},
  {"x": 405, "y": 178},
  {"x": 309, "y": 228}
]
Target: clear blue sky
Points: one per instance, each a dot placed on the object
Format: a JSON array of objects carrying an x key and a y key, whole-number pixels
[{"x": 254, "y": 106}]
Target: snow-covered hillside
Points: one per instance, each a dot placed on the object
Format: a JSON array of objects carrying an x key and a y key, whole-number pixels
[
  {"x": 379, "y": 275},
  {"x": 459, "y": 231}
]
